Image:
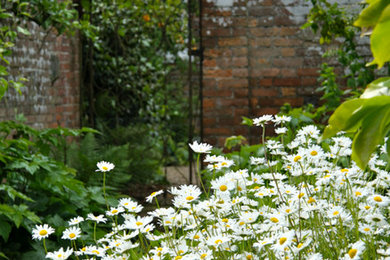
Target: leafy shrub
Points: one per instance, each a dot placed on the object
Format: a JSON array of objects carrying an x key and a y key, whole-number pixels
[{"x": 34, "y": 186}]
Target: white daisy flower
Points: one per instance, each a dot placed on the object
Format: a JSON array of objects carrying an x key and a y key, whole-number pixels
[
  {"x": 104, "y": 166},
  {"x": 42, "y": 231},
  {"x": 98, "y": 219},
  {"x": 60, "y": 254},
  {"x": 200, "y": 147},
  {"x": 71, "y": 233},
  {"x": 150, "y": 198},
  {"x": 75, "y": 221},
  {"x": 260, "y": 121}
]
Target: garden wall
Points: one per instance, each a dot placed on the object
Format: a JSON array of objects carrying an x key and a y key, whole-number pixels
[
  {"x": 52, "y": 66},
  {"x": 256, "y": 59}
]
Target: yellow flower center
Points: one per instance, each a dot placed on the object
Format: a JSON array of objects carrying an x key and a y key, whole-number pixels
[
  {"x": 256, "y": 188},
  {"x": 378, "y": 199},
  {"x": 311, "y": 200},
  {"x": 59, "y": 255},
  {"x": 288, "y": 210},
  {"x": 358, "y": 193},
  {"x": 72, "y": 235},
  {"x": 114, "y": 211},
  {"x": 223, "y": 187},
  {"x": 300, "y": 195},
  {"x": 105, "y": 168},
  {"x": 43, "y": 232},
  {"x": 299, "y": 245},
  {"x": 178, "y": 257},
  {"x": 297, "y": 158},
  {"x": 225, "y": 220},
  {"x": 313, "y": 153},
  {"x": 336, "y": 213},
  {"x": 249, "y": 257},
  {"x": 203, "y": 256},
  {"x": 218, "y": 241},
  {"x": 344, "y": 170},
  {"x": 153, "y": 193},
  {"x": 352, "y": 253},
  {"x": 282, "y": 240},
  {"x": 242, "y": 223},
  {"x": 275, "y": 220},
  {"x": 95, "y": 252},
  {"x": 196, "y": 237},
  {"x": 366, "y": 229},
  {"x": 367, "y": 207},
  {"x": 138, "y": 223},
  {"x": 189, "y": 198}
]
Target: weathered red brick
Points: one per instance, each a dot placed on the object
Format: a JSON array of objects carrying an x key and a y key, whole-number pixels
[
  {"x": 265, "y": 92},
  {"x": 236, "y": 41},
  {"x": 289, "y": 91},
  {"x": 232, "y": 83},
  {"x": 287, "y": 81}
]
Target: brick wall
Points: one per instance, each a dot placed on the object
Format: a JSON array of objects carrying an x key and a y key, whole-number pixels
[
  {"x": 256, "y": 59},
  {"x": 52, "y": 66}
]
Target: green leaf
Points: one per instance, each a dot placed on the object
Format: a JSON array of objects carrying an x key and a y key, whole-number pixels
[
  {"x": 5, "y": 230},
  {"x": 341, "y": 118},
  {"x": 14, "y": 193},
  {"x": 374, "y": 128},
  {"x": 233, "y": 141},
  {"x": 3, "y": 255},
  {"x": 370, "y": 16},
  {"x": 380, "y": 39},
  {"x": 379, "y": 87},
  {"x": 247, "y": 121},
  {"x": 23, "y": 30}
]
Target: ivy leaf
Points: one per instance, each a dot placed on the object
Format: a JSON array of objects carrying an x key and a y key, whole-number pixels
[
  {"x": 379, "y": 87},
  {"x": 380, "y": 39}
]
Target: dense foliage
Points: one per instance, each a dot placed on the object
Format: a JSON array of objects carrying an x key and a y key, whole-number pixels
[
  {"x": 134, "y": 69},
  {"x": 35, "y": 186},
  {"x": 334, "y": 24}
]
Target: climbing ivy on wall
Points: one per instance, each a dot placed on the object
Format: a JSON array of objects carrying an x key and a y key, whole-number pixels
[
  {"x": 15, "y": 16},
  {"x": 334, "y": 24}
]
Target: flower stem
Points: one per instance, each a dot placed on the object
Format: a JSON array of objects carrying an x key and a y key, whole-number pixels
[
  {"x": 104, "y": 189},
  {"x": 199, "y": 176},
  {"x": 44, "y": 245}
]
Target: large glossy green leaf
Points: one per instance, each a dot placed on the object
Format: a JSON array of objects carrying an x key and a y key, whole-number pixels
[
  {"x": 379, "y": 87},
  {"x": 341, "y": 118},
  {"x": 380, "y": 39},
  {"x": 374, "y": 128},
  {"x": 370, "y": 16},
  {"x": 368, "y": 118}
]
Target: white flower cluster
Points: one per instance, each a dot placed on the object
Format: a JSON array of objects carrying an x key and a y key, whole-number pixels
[{"x": 304, "y": 200}]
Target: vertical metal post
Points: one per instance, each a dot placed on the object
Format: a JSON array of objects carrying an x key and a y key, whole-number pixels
[
  {"x": 190, "y": 112},
  {"x": 201, "y": 69}
]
